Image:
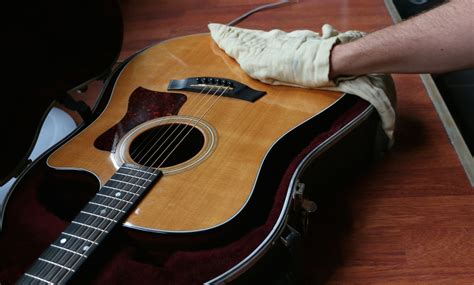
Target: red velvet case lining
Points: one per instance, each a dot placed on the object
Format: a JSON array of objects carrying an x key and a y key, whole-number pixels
[{"x": 30, "y": 230}]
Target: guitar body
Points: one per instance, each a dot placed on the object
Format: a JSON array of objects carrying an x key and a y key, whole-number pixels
[
  {"x": 221, "y": 203},
  {"x": 241, "y": 135}
]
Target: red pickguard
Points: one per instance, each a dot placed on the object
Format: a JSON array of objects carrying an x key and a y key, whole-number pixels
[{"x": 144, "y": 105}]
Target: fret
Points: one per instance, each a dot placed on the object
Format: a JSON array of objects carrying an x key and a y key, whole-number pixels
[
  {"x": 106, "y": 200},
  {"x": 89, "y": 226},
  {"x": 119, "y": 193},
  {"x": 68, "y": 250},
  {"x": 115, "y": 198},
  {"x": 139, "y": 170},
  {"x": 55, "y": 264},
  {"x": 119, "y": 189},
  {"x": 91, "y": 220},
  {"x": 131, "y": 177},
  {"x": 78, "y": 237},
  {"x": 90, "y": 233},
  {"x": 49, "y": 271},
  {"x": 81, "y": 244},
  {"x": 41, "y": 269},
  {"x": 35, "y": 278},
  {"x": 108, "y": 207},
  {"x": 61, "y": 255},
  {"x": 99, "y": 216},
  {"x": 126, "y": 182},
  {"x": 87, "y": 237},
  {"x": 56, "y": 270},
  {"x": 103, "y": 211}
]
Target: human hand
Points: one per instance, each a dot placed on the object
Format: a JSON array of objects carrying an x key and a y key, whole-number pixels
[{"x": 300, "y": 58}]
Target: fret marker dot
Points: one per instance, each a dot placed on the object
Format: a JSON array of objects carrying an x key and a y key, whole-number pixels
[
  {"x": 63, "y": 241},
  {"x": 85, "y": 248},
  {"x": 103, "y": 211},
  {"x": 118, "y": 194}
]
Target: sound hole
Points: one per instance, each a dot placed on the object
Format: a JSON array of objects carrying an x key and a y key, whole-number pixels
[{"x": 166, "y": 145}]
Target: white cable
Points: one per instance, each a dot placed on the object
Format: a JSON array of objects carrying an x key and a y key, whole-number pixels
[{"x": 258, "y": 9}]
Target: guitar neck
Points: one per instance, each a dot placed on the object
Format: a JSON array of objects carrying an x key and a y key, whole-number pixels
[{"x": 58, "y": 263}]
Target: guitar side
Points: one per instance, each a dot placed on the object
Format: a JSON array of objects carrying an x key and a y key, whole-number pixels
[{"x": 214, "y": 191}]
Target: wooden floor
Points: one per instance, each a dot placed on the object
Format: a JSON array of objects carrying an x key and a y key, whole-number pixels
[{"x": 408, "y": 219}]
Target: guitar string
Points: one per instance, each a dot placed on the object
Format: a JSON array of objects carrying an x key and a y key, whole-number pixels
[
  {"x": 91, "y": 231},
  {"x": 187, "y": 134},
  {"x": 152, "y": 135},
  {"x": 83, "y": 243},
  {"x": 182, "y": 129},
  {"x": 154, "y": 171},
  {"x": 135, "y": 185},
  {"x": 258, "y": 9},
  {"x": 174, "y": 130},
  {"x": 149, "y": 138},
  {"x": 249, "y": 13}
]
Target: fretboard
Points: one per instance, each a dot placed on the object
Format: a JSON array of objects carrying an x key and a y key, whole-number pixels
[{"x": 58, "y": 263}]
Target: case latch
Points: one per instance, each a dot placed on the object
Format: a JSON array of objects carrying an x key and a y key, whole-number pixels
[
  {"x": 290, "y": 236},
  {"x": 305, "y": 206}
]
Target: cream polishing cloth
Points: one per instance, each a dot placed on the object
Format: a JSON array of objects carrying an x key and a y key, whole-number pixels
[{"x": 302, "y": 58}]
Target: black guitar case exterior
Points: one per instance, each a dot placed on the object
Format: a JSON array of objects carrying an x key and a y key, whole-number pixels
[
  {"x": 54, "y": 48},
  {"x": 263, "y": 243}
]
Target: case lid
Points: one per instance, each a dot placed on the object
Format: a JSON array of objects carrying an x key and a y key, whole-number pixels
[{"x": 52, "y": 47}]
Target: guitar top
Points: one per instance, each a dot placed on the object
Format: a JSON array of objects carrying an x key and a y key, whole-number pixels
[{"x": 208, "y": 133}]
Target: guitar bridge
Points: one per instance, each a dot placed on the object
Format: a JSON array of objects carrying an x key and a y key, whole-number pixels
[{"x": 216, "y": 86}]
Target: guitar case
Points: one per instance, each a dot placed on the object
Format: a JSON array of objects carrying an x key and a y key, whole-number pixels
[{"x": 262, "y": 243}]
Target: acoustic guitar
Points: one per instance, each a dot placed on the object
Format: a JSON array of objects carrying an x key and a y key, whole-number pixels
[{"x": 178, "y": 148}]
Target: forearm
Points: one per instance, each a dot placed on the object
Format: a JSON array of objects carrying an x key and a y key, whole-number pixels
[{"x": 437, "y": 41}]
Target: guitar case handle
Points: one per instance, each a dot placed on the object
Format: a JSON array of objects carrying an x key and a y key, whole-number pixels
[{"x": 79, "y": 106}]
